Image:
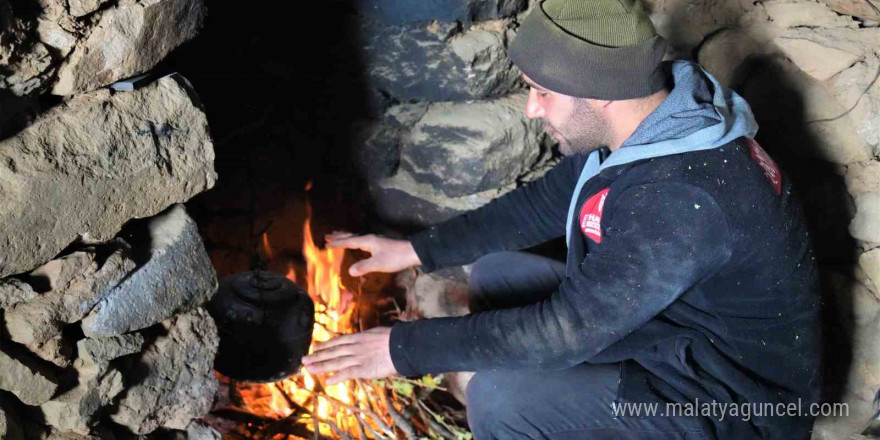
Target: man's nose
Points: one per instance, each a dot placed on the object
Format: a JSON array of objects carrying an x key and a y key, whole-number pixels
[{"x": 533, "y": 107}]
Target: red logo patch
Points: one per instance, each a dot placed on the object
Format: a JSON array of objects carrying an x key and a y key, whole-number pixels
[
  {"x": 766, "y": 163},
  {"x": 591, "y": 215}
]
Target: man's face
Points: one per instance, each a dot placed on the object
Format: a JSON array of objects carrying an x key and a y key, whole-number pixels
[{"x": 574, "y": 122}]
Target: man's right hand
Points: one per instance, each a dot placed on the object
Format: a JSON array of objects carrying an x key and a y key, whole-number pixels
[{"x": 387, "y": 254}]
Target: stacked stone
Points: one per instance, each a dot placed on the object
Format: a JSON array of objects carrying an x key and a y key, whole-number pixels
[
  {"x": 102, "y": 274},
  {"x": 102, "y": 315},
  {"x": 451, "y": 134}
]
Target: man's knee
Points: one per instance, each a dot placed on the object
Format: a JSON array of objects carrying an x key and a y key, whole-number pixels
[
  {"x": 486, "y": 279},
  {"x": 486, "y": 270},
  {"x": 491, "y": 405}
]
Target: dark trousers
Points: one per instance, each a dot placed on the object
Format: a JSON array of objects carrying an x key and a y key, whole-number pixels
[{"x": 575, "y": 403}]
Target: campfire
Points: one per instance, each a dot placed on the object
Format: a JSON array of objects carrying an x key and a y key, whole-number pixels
[{"x": 303, "y": 406}]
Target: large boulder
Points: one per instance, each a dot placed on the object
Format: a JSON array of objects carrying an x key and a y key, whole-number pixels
[
  {"x": 178, "y": 276},
  {"x": 453, "y": 157},
  {"x": 128, "y": 39},
  {"x": 439, "y": 61},
  {"x": 97, "y": 161},
  {"x": 464, "y": 149},
  {"x": 177, "y": 381}
]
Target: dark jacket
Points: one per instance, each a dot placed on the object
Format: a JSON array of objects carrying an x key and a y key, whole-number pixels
[{"x": 693, "y": 270}]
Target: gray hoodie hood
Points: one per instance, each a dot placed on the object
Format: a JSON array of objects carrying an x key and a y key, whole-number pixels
[{"x": 698, "y": 114}]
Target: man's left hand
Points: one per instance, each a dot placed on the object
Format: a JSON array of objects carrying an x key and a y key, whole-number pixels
[{"x": 365, "y": 355}]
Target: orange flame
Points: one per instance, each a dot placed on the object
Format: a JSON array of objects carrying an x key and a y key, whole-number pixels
[
  {"x": 267, "y": 247},
  {"x": 334, "y": 309}
]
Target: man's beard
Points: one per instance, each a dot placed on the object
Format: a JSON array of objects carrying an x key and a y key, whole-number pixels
[{"x": 586, "y": 131}]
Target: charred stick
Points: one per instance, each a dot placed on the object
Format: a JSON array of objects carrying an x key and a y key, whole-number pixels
[
  {"x": 293, "y": 405},
  {"x": 315, "y": 424},
  {"x": 405, "y": 426},
  {"x": 441, "y": 429},
  {"x": 338, "y": 430}
]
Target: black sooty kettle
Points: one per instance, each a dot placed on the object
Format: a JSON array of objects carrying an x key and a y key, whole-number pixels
[{"x": 265, "y": 323}]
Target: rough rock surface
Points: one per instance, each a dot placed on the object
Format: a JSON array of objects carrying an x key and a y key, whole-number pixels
[
  {"x": 13, "y": 291},
  {"x": 32, "y": 383},
  {"x": 805, "y": 114},
  {"x": 805, "y": 13},
  {"x": 865, "y": 225},
  {"x": 406, "y": 11},
  {"x": 857, "y": 8},
  {"x": 78, "y": 282},
  {"x": 103, "y": 350},
  {"x": 379, "y": 155},
  {"x": 98, "y": 383},
  {"x": 199, "y": 431},
  {"x": 129, "y": 39},
  {"x": 464, "y": 149},
  {"x": 863, "y": 177},
  {"x": 449, "y": 157},
  {"x": 702, "y": 17},
  {"x": 22, "y": 71},
  {"x": 869, "y": 262},
  {"x": 723, "y": 52},
  {"x": 177, "y": 277},
  {"x": 178, "y": 382},
  {"x": 439, "y": 61},
  {"x": 41, "y": 433},
  {"x": 79, "y": 8},
  {"x": 56, "y": 36},
  {"x": 816, "y": 60},
  {"x": 75, "y": 410},
  {"x": 403, "y": 202},
  {"x": 96, "y": 162}
]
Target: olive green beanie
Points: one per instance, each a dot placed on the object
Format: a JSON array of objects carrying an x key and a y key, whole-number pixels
[{"x": 599, "y": 49}]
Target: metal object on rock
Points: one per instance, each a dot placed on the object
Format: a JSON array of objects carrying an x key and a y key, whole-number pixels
[{"x": 265, "y": 323}]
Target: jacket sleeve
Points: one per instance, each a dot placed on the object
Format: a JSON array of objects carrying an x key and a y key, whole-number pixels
[
  {"x": 525, "y": 217},
  {"x": 661, "y": 239}
]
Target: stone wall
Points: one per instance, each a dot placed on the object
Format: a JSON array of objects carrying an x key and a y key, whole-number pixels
[
  {"x": 103, "y": 272},
  {"x": 102, "y": 319},
  {"x": 443, "y": 131},
  {"x": 450, "y": 132}
]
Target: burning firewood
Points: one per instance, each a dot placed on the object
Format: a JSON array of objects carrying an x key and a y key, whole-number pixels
[{"x": 302, "y": 406}]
